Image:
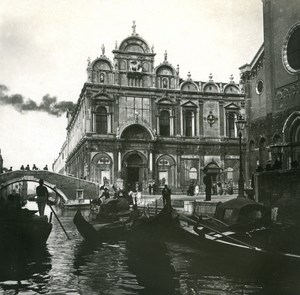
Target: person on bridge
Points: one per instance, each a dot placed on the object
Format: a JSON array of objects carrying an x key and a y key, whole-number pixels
[
  {"x": 42, "y": 197},
  {"x": 46, "y": 167}
]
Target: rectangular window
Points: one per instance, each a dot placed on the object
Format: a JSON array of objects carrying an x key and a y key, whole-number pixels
[
  {"x": 129, "y": 105},
  {"x": 79, "y": 194}
]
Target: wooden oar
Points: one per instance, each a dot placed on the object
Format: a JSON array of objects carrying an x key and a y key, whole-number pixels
[
  {"x": 215, "y": 219},
  {"x": 218, "y": 232},
  {"x": 59, "y": 221}
]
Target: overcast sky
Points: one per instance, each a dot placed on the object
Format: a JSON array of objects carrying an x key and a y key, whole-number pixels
[{"x": 44, "y": 46}]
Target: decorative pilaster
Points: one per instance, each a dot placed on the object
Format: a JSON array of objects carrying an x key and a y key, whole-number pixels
[
  {"x": 157, "y": 124},
  {"x": 109, "y": 116},
  {"x": 193, "y": 124},
  {"x": 181, "y": 122},
  {"x": 172, "y": 125},
  {"x": 93, "y": 122}
]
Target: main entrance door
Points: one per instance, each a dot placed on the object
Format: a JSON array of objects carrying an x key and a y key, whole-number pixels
[
  {"x": 133, "y": 174},
  {"x": 134, "y": 171}
]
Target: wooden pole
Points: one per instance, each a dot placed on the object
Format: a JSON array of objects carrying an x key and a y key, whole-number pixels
[{"x": 59, "y": 221}]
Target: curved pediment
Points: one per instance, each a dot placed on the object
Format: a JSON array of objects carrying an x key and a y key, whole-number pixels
[{"x": 134, "y": 44}]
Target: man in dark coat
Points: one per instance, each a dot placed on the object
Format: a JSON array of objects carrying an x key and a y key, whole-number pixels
[
  {"x": 207, "y": 182},
  {"x": 166, "y": 196},
  {"x": 42, "y": 197}
]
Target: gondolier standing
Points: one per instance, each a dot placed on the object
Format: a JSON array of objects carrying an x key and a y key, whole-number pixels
[
  {"x": 42, "y": 197},
  {"x": 207, "y": 182},
  {"x": 166, "y": 196}
]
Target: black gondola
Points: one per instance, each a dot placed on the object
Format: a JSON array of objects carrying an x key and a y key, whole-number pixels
[
  {"x": 135, "y": 227},
  {"x": 21, "y": 227},
  {"x": 242, "y": 226}
]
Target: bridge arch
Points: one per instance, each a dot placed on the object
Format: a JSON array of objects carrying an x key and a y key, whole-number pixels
[
  {"x": 53, "y": 187},
  {"x": 68, "y": 188}
]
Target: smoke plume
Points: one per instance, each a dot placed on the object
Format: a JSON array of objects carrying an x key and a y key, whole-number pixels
[{"x": 48, "y": 105}]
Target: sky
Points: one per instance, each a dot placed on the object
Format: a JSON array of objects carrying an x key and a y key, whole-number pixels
[{"x": 44, "y": 47}]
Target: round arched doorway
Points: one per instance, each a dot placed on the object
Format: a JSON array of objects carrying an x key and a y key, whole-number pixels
[{"x": 135, "y": 171}]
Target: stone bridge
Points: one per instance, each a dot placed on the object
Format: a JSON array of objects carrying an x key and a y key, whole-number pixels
[{"x": 66, "y": 187}]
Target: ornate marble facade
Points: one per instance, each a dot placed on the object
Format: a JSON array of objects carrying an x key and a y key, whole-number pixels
[{"x": 137, "y": 122}]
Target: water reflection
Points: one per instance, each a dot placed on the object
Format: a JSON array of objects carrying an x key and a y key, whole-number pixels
[
  {"x": 153, "y": 269},
  {"x": 76, "y": 267},
  {"x": 104, "y": 267},
  {"x": 22, "y": 270},
  {"x": 205, "y": 273}
]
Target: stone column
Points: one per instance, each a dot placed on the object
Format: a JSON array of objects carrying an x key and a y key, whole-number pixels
[
  {"x": 201, "y": 129},
  {"x": 181, "y": 122},
  {"x": 157, "y": 124},
  {"x": 109, "y": 123},
  {"x": 119, "y": 161},
  {"x": 197, "y": 124},
  {"x": 193, "y": 124},
  {"x": 93, "y": 122},
  {"x": 150, "y": 167},
  {"x": 150, "y": 161},
  {"x": 172, "y": 125},
  {"x": 221, "y": 116}
]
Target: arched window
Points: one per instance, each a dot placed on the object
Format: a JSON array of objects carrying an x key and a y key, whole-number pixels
[
  {"x": 101, "y": 120},
  {"x": 230, "y": 125},
  {"x": 164, "y": 123},
  {"x": 188, "y": 123}
]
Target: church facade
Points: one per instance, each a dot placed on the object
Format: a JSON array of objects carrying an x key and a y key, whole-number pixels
[
  {"x": 272, "y": 87},
  {"x": 140, "y": 123},
  {"x": 272, "y": 91}
]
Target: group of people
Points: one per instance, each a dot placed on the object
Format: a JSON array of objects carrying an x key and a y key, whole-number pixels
[
  {"x": 118, "y": 193},
  {"x": 152, "y": 188},
  {"x": 193, "y": 189},
  {"x": 33, "y": 167}
]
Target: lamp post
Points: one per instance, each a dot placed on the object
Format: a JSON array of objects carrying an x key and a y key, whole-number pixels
[{"x": 240, "y": 124}]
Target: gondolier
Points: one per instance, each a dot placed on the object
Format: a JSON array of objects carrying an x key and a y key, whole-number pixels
[
  {"x": 166, "y": 196},
  {"x": 207, "y": 182},
  {"x": 42, "y": 197}
]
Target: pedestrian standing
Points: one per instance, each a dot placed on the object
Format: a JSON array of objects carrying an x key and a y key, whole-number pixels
[
  {"x": 154, "y": 186},
  {"x": 150, "y": 189},
  {"x": 196, "y": 189}
]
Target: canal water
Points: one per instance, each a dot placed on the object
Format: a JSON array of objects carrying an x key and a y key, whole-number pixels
[{"x": 75, "y": 267}]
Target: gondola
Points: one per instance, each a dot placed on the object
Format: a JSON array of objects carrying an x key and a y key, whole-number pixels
[
  {"x": 22, "y": 228},
  {"x": 136, "y": 227},
  {"x": 110, "y": 210},
  {"x": 242, "y": 228},
  {"x": 100, "y": 232}
]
